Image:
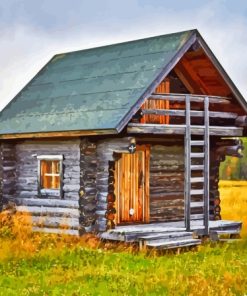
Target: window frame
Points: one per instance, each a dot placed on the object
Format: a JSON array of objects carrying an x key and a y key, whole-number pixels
[{"x": 50, "y": 192}]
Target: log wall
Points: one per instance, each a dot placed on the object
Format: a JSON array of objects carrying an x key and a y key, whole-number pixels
[
  {"x": 20, "y": 183},
  {"x": 8, "y": 170},
  {"x": 166, "y": 183},
  {"x": 87, "y": 193},
  {"x": 105, "y": 156}
]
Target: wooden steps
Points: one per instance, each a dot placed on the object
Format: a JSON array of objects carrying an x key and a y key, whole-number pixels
[
  {"x": 161, "y": 240},
  {"x": 175, "y": 244}
]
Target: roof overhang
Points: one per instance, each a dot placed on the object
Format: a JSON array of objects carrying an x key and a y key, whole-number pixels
[
  {"x": 59, "y": 134},
  {"x": 194, "y": 37}
]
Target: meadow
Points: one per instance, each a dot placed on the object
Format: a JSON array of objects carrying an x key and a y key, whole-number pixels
[{"x": 39, "y": 264}]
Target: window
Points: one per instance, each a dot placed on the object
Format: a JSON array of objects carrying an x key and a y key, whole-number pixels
[{"x": 50, "y": 174}]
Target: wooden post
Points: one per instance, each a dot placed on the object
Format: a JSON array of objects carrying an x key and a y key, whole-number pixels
[
  {"x": 206, "y": 165},
  {"x": 187, "y": 164}
]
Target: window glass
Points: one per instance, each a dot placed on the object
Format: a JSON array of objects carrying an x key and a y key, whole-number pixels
[{"x": 50, "y": 174}]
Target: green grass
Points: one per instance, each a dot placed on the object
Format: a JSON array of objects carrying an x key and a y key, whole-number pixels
[
  {"x": 76, "y": 270},
  {"x": 38, "y": 264}
]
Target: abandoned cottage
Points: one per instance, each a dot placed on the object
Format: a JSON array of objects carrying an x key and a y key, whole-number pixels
[{"x": 124, "y": 141}]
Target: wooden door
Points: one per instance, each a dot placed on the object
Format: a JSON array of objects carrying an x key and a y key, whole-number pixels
[{"x": 132, "y": 187}]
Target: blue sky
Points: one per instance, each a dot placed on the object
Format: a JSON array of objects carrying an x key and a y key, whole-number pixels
[{"x": 33, "y": 31}]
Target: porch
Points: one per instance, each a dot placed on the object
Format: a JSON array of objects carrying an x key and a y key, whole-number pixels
[
  {"x": 200, "y": 122},
  {"x": 168, "y": 235}
]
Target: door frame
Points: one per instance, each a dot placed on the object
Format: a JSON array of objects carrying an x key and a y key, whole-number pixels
[{"x": 146, "y": 203}]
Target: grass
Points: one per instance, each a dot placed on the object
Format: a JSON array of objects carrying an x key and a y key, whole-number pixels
[
  {"x": 39, "y": 264},
  {"x": 234, "y": 202}
]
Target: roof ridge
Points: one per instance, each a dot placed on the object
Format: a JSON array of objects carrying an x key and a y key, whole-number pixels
[{"x": 125, "y": 42}]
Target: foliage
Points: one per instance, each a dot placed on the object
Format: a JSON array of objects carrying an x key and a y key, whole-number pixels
[{"x": 40, "y": 264}]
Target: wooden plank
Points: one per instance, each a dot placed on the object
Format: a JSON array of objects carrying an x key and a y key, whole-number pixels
[
  {"x": 175, "y": 129},
  {"x": 181, "y": 113},
  {"x": 175, "y": 244},
  {"x": 197, "y": 167},
  {"x": 56, "y": 222},
  {"x": 50, "y": 211},
  {"x": 197, "y": 143},
  {"x": 206, "y": 165},
  {"x": 196, "y": 204},
  {"x": 196, "y": 179},
  {"x": 196, "y": 191},
  {"x": 37, "y": 202},
  {"x": 147, "y": 184},
  {"x": 193, "y": 98},
  {"x": 197, "y": 155},
  {"x": 56, "y": 230},
  {"x": 187, "y": 164}
]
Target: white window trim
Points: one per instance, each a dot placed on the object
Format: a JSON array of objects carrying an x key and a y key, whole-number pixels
[{"x": 50, "y": 192}]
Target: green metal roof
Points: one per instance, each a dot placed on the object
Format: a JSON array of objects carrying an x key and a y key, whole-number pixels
[{"x": 91, "y": 89}]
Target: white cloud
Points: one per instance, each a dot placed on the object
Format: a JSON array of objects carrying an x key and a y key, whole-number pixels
[{"x": 24, "y": 49}]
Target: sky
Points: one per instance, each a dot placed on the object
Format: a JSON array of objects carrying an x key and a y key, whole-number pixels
[{"x": 31, "y": 32}]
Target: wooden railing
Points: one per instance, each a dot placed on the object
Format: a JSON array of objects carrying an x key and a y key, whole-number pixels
[{"x": 178, "y": 112}]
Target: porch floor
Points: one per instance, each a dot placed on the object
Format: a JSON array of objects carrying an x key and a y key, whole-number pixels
[{"x": 171, "y": 234}]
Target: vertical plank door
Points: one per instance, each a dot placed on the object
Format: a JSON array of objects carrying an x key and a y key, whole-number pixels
[{"x": 132, "y": 187}]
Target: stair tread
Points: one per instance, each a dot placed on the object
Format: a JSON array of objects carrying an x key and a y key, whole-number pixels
[
  {"x": 166, "y": 235},
  {"x": 230, "y": 231},
  {"x": 185, "y": 242}
]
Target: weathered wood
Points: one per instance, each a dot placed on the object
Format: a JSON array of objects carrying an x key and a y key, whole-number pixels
[
  {"x": 187, "y": 161},
  {"x": 231, "y": 150},
  {"x": 241, "y": 121},
  {"x": 49, "y": 211},
  {"x": 37, "y": 202},
  {"x": 163, "y": 129},
  {"x": 166, "y": 182},
  {"x": 206, "y": 166},
  {"x": 56, "y": 230},
  {"x": 55, "y": 222},
  {"x": 182, "y": 113},
  {"x": 193, "y": 98}
]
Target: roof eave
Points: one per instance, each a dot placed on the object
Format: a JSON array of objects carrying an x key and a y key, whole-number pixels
[
  {"x": 222, "y": 71},
  {"x": 59, "y": 134}
]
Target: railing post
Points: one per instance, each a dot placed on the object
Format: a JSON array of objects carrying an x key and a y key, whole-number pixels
[
  {"x": 206, "y": 165},
  {"x": 187, "y": 163}
]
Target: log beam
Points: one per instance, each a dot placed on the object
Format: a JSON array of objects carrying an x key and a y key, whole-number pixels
[{"x": 135, "y": 128}]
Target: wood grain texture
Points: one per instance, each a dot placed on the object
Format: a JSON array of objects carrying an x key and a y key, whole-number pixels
[{"x": 166, "y": 183}]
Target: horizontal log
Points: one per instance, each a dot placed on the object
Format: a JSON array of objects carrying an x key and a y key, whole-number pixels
[
  {"x": 165, "y": 129},
  {"x": 71, "y": 204},
  {"x": 49, "y": 211},
  {"x": 193, "y": 98},
  {"x": 231, "y": 150},
  {"x": 241, "y": 121},
  {"x": 56, "y": 230},
  {"x": 212, "y": 114},
  {"x": 55, "y": 222}
]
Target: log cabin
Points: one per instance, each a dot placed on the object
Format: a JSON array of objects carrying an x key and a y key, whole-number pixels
[{"x": 125, "y": 141}]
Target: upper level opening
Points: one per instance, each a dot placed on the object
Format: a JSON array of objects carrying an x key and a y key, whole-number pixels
[{"x": 194, "y": 74}]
